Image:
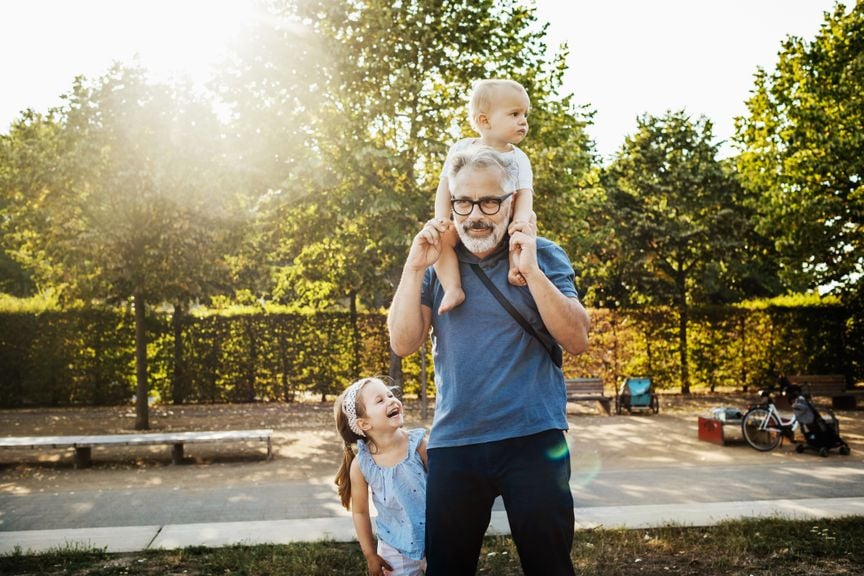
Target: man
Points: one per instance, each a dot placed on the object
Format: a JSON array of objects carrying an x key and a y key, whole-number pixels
[{"x": 500, "y": 408}]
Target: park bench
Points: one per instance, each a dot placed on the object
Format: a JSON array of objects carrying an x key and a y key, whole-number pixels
[
  {"x": 829, "y": 385},
  {"x": 84, "y": 444},
  {"x": 588, "y": 390}
]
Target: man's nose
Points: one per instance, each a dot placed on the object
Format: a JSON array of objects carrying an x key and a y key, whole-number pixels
[{"x": 475, "y": 212}]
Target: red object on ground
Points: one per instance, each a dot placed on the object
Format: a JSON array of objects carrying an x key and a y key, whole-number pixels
[{"x": 711, "y": 430}]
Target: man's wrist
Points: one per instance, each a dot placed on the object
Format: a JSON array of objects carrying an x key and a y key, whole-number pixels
[
  {"x": 532, "y": 273},
  {"x": 413, "y": 269}
]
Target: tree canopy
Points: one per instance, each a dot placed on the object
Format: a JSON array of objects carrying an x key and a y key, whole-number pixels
[
  {"x": 802, "y": 150},
  {"x": 299, "y": 177},
  {"x": 675, "y": 218},
  {"x": 378, "y": 93},
  {"x": 301, "y": 173}
]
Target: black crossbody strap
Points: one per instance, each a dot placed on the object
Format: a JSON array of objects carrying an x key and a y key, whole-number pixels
[{"x": 509, "y": 307}]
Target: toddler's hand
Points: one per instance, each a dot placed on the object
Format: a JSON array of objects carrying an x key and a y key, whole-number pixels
[{"x": 529, "y": 228}]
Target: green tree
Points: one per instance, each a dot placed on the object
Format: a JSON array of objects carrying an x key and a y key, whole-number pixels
[
  {"x": 673, "y": 221},
  {"x": 135, "y": 209},
  {"x": 802, "y": 150},
  {"x": 388, "y": 85},
  {"x": 30, "y": 168}
]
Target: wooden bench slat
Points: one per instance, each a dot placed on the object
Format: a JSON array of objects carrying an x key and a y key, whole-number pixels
[
  {"x": 587, "y": 390},
  {"x": 799, "y": 378},
  {"x": 83, "y": 443},
  {"x": 133, "y": 439},
  {"x": 829, "y": 385}
]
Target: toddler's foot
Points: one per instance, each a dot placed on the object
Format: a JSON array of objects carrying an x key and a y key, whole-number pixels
[
  {"x": 515, "y": 278},
  {"x": 452, "y": 299}
]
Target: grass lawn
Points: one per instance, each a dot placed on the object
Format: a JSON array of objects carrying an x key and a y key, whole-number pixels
[{"x": 751, "y": 547}]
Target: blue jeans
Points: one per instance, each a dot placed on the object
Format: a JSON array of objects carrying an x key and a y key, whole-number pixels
[{"x": 530, "y": 473}]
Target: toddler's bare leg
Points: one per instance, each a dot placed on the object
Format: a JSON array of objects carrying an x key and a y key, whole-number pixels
[
  {"x": 447, "y": 268},
  {"x": 513, "y": 275}
]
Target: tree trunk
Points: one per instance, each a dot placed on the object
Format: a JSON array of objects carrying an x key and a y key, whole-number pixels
[
  {"x": 613, "y": 313},
  {"x": 179, "y": 384},
  {"x": 284, "y": 377},
  {"x": 251, "y": 360},
  {"x": 682, "y": 351},
  {"x": 742, "y": 354},
  {"x": 142, "y": 414},
  {"x": 355, "y": 333},
  {"x": 395, "y": 369},
  {"x": 100, "y": 392}
]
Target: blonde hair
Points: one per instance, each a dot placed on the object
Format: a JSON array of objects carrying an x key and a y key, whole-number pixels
[{"x": 484, "y": 93}]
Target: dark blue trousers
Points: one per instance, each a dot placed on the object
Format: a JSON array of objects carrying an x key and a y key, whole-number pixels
[{"x": 530, "y": 473}]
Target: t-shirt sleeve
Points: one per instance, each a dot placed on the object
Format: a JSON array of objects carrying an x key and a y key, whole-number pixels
[
  {"x": 525, "y": 179},
  {"x": 556, "y": 266},
  {"x": 426, "y": 291}
]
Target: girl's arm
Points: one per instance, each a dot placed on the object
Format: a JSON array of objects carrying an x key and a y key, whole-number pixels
[
  {"x": 421, "y": 450},
  {"x": 363, "y": 522}
]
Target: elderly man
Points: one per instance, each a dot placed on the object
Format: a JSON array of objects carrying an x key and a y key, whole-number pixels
[{"x": 500, "y": 408}]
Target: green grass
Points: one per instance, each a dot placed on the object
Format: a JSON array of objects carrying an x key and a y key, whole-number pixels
[{"x": 750, "y": 547}]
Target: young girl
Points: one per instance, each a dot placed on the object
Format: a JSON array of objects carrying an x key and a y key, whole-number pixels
[
  {"x": 498, "y": 111},
  {"x": 392, "y": 462}
]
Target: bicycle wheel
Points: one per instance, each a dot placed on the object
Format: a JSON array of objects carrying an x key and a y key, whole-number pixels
[{"x": 761, "y": 429}]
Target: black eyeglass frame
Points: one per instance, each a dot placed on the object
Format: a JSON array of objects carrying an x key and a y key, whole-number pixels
[{"x": 479, "y": 203}]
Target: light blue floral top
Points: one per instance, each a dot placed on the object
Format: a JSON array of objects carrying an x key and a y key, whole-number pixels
[{"x": 399, "y": 494}]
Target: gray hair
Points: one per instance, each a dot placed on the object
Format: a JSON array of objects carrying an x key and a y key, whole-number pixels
[{"x": 482, "y": 157}]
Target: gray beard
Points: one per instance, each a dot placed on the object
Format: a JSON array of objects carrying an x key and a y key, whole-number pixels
[{"x": 481, "y": 245}]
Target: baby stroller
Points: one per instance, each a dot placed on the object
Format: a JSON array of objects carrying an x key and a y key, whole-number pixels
[
  {"x": 637, "y": 394},
  {"x": 819, "y": 434}
]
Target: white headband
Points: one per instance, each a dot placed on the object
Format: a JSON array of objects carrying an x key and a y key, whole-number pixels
[{"x": 349, "y": 406}]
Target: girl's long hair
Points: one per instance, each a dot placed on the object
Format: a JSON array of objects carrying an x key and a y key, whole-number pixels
[{"x": 349, "y": 438}]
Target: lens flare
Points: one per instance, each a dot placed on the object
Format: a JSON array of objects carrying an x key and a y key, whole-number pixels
[
  {"x": 584, "y": 467},
  {"x": 558, "y": 452}
]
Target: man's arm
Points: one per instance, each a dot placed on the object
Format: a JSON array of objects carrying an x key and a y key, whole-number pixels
[
  {"x": 408, "y": 320},
  {"x": 564, "y": 316}
]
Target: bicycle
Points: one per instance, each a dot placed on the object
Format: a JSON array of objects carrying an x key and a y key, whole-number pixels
[{"x": 762, "y": 426}]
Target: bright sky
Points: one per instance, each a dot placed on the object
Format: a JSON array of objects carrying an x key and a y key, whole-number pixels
[{"x": 628, "y": 57}]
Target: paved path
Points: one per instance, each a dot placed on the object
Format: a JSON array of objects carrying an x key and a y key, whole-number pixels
[
  {"x": 641, "y": 483},
  {"x": 171, "y": 536},
  {"x": 668, "y": 486}
]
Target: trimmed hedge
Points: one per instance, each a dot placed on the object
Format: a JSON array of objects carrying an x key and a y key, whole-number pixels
[{"x": 87, "y": 357}]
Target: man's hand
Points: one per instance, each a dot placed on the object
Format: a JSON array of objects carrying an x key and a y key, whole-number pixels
[
  {"x": 523, "y": 244},
  {"x": 426, "y": 246}
]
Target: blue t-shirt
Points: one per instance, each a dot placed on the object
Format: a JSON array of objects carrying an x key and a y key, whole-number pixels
[
  {"x": 399, "y": 494},
  {"x": 495, "y": 380}
]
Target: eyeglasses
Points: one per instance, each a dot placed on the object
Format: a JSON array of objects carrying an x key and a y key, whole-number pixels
[{"x": 488, "y": 206}]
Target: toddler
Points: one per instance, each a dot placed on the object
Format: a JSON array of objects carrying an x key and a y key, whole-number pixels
[{"x": 498, "y": 111}]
